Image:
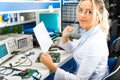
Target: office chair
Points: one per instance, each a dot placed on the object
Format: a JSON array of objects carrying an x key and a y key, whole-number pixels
[
  {"x": 115, "y": 69},
  {"x": 115, "y": 48}
]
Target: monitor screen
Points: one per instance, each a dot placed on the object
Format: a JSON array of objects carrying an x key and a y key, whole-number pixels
[
  {"x": 51, "y": 21},
  {"x": 22, "y": 43},
  {"x": 3, "y": 50}
]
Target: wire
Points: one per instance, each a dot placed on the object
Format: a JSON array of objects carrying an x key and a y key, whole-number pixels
[
  {"x": 11, "y": 70},
  {"x": 20, "y": 64},
  {"x": 29, "y": 60},
  {"x": 35, "y": 77},
  {"x": 5, "y": 69}
]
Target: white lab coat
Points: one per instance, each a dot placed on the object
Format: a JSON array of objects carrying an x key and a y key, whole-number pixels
[{"x": 90, "y": 54}]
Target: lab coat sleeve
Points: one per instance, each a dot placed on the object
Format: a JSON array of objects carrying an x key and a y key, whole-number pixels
[
  {"x": 68, "y": 46},
  {"x": 85, "y": 70},
  {"x": 63, "y": 75}
]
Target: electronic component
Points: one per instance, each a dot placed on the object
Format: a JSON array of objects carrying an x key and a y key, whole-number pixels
[
  {"x": 10, "y": 42},
  {"x": 27, "y": 73},
  {"x": 54, "y": 55},
  {"x": 10, "y": 73},
  {"x": 24, "y": 42},
  {"x": 5, "y": 52}
]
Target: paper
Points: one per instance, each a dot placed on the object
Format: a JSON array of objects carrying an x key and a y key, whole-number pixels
[{"x": 43, "y": 37}]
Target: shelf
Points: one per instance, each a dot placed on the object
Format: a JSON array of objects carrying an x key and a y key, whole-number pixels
[
  {"x": 70, "y": 2},
  {"x": 16, "y": 23},
  {"x": 27, "y": 6}
]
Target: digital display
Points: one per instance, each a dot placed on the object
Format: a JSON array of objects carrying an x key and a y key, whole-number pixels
[
  {"x": 22, "y": 43},
  {"x": 3, "y": 50}
]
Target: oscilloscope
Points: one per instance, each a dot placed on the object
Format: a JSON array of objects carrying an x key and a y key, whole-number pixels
[
  {"x": 24, "y": 42},
  {"x": 6, "y": 48},
  {"x": 10, "y": 42}
]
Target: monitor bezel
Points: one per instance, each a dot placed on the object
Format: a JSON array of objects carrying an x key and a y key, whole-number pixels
[{"x": 3, "y": 59}]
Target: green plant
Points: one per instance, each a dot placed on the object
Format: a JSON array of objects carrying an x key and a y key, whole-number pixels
[
  {"x": 4, "y": 30},
  {"x": 13, "y": 29}
]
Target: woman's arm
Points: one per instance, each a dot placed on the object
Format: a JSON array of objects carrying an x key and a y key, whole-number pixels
[{"x": 64, "y": 42}]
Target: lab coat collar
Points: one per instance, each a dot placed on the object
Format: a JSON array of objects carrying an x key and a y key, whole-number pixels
[{"x": 87, "y": 34}]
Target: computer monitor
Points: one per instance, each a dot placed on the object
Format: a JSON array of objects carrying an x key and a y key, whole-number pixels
[
  {"x": 51, "y": 21},
  {"x": 4, "y": 51}
]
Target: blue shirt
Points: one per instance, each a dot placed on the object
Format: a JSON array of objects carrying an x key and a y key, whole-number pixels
[{"x": 91, "y": 55}]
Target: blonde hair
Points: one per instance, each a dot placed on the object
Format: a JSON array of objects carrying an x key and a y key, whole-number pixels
[{"x": 102, "y": 13}]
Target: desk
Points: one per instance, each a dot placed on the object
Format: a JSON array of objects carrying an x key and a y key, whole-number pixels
[{"x": 39, "y": 66}]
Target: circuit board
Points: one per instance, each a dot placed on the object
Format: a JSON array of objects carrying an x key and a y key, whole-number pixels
[{"x": 54, "y": 55}]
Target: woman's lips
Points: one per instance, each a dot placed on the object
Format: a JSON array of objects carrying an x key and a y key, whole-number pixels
[{"x": 83, "y": 21}]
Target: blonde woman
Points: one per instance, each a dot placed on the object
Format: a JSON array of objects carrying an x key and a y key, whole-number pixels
[{"x": 91, "y": 51}]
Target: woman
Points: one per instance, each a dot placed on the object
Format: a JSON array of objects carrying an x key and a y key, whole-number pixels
[{"x": 91, "y": 51}]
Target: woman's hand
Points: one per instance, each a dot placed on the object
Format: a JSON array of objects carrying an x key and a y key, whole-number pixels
[
  {"x": 67, "y": 32},
  {"x": 47, "y": 61}
]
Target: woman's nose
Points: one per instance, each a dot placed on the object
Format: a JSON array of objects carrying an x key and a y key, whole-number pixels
[{"x": 82, "y": 14}]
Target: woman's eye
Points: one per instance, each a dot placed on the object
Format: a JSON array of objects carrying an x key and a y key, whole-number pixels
[{"x": 88, "y": 12}]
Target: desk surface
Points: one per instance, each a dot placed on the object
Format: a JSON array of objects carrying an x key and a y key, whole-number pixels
[{"x": 38, "y": 66}]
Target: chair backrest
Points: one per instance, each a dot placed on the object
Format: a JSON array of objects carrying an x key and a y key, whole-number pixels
[
  {"x": 115, "y": 48},
  {"x": 116, "y": 63},
  {"x": 111, "y": 63},
  {"x": 115, "y": 74}
]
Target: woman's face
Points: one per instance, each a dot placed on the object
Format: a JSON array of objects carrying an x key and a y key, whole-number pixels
[{"x": 85, "y": 14}]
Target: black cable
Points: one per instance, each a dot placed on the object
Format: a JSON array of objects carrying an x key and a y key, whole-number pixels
[
  {"x": 20, "y": 64},
  {"x": 15, "y": 69},
  {"x": 12, "y": 70},
  {"x": 24, "y": 62},
  {"x": 9, "y": 72},
  {"x": 29, "y": 60},
  {"x": 7, "y": 68},
  {"x": 17, "y": 64},
  {"x": 4, "y": 70},
  {"x": 35, "y": 77}
]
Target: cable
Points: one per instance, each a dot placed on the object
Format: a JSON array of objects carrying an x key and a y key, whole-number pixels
[
  {"x": 28, "y": 59},
  {"x": 25, "y": 60},
  {"x": 5, "y": 69},
  {"x": 22, "y": 73},
  {"x": 20, "y": 64},
  {"x": 34, "y": 77}
]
